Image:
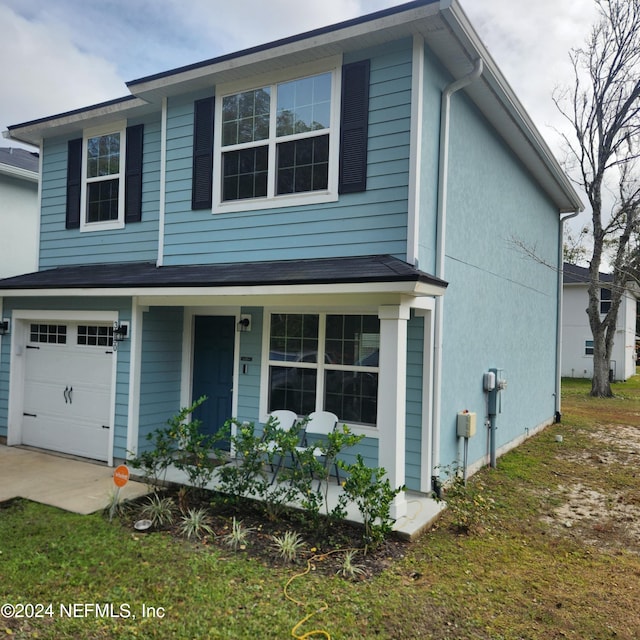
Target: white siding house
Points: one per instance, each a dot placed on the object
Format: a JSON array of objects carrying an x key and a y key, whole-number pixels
[
  {"x": 18, "y": 211},
  {"x": 577, "y": 340}
]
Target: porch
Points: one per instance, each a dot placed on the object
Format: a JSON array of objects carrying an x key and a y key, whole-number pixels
[{"x": 85, "y": 487}]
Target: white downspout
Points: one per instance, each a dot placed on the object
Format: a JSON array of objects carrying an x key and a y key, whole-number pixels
[
  {"x": 441, "y": 225},
  {"x": 558, "y": 403}
]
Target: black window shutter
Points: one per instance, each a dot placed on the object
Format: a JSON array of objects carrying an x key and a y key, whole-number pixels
[
  {"x": 74, "y": 183},
  {"x": 202, "y": 182},
  {"x": 354, "y": 127},
  {"x": 133, "y": 174}
]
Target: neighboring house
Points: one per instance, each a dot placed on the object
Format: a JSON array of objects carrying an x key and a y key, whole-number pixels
[
  {"x": 577, "y": 339},
  {"x": 18, "y": 211},
  {"x": 331, "y": 193}
]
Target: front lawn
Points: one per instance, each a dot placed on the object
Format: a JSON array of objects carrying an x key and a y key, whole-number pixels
[{"x": 552, "y": 551}]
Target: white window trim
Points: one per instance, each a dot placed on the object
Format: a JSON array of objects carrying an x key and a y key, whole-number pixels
[
  {"x": 116, "y": 127},
  {"x": 368, "y": 430},
  {"x": 271, "y": 201}
]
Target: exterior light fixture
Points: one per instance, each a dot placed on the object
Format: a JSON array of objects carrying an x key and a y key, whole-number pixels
[{"x": 120, "y": 331}]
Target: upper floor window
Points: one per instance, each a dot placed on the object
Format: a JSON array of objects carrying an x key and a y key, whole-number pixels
[
  {"x": 298, "y": 143},
  {"x": 605, "y": 300},
  {"x": 102, "y": 201},
  {"x": 104, "y": 178},
  {"x": 277, "y": 142},
  {"x": 283, "y": 140}
]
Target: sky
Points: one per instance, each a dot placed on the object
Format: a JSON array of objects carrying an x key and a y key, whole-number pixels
[{"x": 59, "y": 55}]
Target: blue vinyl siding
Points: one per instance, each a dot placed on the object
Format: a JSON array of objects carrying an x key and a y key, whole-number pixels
[
  {"x": 160, "y": 370},
  {"x": 249, "y": 383},
  {"x": 137, "y": 241},
  {"x": 413, "y": 448},
  {"x": 357, "y": 224}
]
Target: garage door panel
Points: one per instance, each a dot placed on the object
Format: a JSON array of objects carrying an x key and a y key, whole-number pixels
[
  {"x": 67, "y": 396},
  {"x": 58, "y": 434},
  {"x": 66, "y": 364}
]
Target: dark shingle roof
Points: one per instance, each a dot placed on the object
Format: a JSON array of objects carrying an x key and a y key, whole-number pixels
[
  {"x": 573, "y": 274},
  {"x": 20, "y": 158},
  {"x": 292, "y": 272}
]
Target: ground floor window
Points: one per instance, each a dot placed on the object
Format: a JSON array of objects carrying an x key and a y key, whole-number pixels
[{"x": 325, "y": 362}]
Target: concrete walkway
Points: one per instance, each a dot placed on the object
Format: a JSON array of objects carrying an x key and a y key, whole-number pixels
[{"x": 59, "y": 481}]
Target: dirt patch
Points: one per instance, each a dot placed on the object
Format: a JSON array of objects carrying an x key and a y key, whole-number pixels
[{"x": 609, "y": 519}]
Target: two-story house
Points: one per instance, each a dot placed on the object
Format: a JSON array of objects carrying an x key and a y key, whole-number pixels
[
  {"x": 322, "y": 222},
  {"x": 18, "y": 211},
  {"x": 577, "y": 338}
]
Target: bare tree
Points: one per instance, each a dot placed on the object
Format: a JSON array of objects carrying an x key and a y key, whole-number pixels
[{"x": 603, "y": 108}]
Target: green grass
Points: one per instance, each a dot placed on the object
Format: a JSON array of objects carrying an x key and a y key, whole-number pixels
[{"x": 521, "y": 574}]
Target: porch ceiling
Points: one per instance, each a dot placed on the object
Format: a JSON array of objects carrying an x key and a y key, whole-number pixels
[{"x": 382, "y": 273}]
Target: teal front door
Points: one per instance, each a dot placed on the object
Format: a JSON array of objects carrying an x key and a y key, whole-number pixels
[{"x": 213, "y": 356}]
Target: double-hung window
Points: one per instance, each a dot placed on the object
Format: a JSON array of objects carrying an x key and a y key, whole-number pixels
[
  {"x": 103, "y": 179},
  {"x": 324, "y": 362},
  {"x": 277, "y": 142}
]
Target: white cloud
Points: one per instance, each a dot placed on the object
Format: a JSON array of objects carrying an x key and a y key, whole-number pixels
[{"x": 45, "y": 73}]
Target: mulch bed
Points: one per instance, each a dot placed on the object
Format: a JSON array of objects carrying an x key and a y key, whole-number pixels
[{"x": 324, "y": 547}]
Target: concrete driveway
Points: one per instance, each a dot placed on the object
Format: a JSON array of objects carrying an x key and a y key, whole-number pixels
[{"x": 69, "y": 484}]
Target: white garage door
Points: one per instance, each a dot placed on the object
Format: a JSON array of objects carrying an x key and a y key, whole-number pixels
[{"x": 67, "y": 388}]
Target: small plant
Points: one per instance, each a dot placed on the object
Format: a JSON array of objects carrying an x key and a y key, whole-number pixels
[
  {"x": 349, "y": 568},
  {"x": 467, "y": 505},
  {"x": 161, "y": 511},
  {"x": 238, "y": 537},
  {"x": 373, "y": 496},
  {"x": 115, "y": 507},
  {"x": 195, "y": 523},
  {"x": 288, "y": 546}
]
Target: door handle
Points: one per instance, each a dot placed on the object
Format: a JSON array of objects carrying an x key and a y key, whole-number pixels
[
  {"x": 70, "y": 395},
  {"x": 65, "y": 394}
]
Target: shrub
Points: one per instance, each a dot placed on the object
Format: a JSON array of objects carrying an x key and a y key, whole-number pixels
[
  {"x": 373, "y": 496},
  {"x": 469, "y": 509},
  {"x": 181, "y": 445}
]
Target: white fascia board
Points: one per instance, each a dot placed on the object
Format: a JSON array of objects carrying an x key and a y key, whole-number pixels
[
  {"x": 71, "y": 122},
  {"x": 247, "y": 292},
  {"x": 17, "y": 172}
]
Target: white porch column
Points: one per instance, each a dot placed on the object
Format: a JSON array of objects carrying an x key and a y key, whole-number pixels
[{"x": 392, "y": 399}]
